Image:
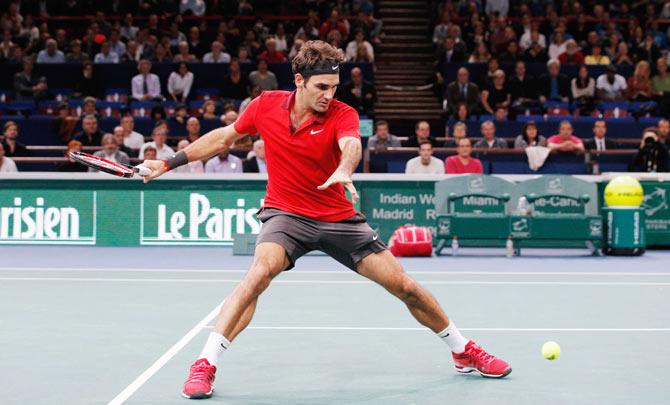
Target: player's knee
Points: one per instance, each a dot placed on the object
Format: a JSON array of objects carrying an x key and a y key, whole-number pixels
[
  {"x": 260, "y": 276},
  {"x": 408, "y": 291}
]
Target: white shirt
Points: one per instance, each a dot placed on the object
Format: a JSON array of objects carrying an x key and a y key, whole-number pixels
[
  {"x": 44, "y": 57},
  {"x": 524, "y": 42},
  {"x": 192, "y": 167},
  {"x": 414, "y": 166},
  {"x": 556, "y": 50},
  {"x": 612, "y": 90},
  {"x": 197, "y": 7},
  {"x": 8, "y": 165},
  {"x": 232, "y": 164},
  {"x": 223, "y": 58},
  {"x": 282, "y": 45},
  {"x": 352, "y": 50},
  {"x": 111, "y": 57},
  {"x": 162, "y": 153},
  {"x": 153, "y": 85},
  {"x": 119, "y": 48},
  {"x": 134, "y": 140},
  {"x": 180, "y": 85}
]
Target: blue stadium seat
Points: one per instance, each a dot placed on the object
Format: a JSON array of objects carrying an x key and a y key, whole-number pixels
[{"x": 526, "y": 118}]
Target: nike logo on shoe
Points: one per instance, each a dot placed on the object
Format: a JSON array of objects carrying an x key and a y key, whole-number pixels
[{"x": 313, "y": 132}]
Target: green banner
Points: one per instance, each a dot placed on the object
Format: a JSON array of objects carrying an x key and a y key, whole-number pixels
[{"x": 657, "y": 211}]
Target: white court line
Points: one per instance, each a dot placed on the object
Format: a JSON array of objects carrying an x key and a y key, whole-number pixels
[
  {"x": 347, "y": 328},
  {"x": 158, "y": 364},
  {"x": 423, "y": 282},
  {"x": 343, "y": 271}
]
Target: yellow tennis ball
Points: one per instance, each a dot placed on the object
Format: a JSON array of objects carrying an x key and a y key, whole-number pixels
[
  {"x": 623, "y": 191},
  {"x": 551, "y": 350}
]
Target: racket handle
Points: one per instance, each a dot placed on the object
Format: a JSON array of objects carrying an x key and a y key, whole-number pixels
[{"x": 142, "y": 170}]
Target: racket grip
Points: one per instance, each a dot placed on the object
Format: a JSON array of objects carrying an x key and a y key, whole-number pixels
[{"x": 142, "y": 170}]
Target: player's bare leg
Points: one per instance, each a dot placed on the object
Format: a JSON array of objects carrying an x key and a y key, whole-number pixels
[
  {"x": 384, "y": 269},
  {"x": 269, "y": 260}
]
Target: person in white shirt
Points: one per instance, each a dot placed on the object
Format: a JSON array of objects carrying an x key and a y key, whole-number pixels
[
  {"x": 425, "y": 163},
  {"x": 131, "y": 139},
  {"x": 51, "y": 54},
  {"x": 159, "y": 136},
  {"x": 224, "y": 162},
  {"x": 611, "y": 86},
  {"x": 115, "y": 42},
  {"x": 192, "y": 7},
  {"x": 180, "y": 82},
  {"x": 7, "y": 165},
  {"x": 106, "y": 55},
  {"x": 352, "y": 47},
  {"x": 192, "y": 167},
  {"x": 216, "y": 55},
  {"x": 146, "y": 85}
]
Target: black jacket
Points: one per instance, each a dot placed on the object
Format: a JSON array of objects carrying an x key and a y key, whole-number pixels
[
  {"x": 590, "y": 144},
  {"x": 94, "y": 140},
  {"x": 363, "y": 105},
  {"x": 544, "y": 86}
]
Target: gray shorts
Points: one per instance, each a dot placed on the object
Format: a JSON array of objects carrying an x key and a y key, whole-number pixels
[{"x": 348, "y": 241}]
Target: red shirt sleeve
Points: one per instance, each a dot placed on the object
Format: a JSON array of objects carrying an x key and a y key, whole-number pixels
[
  {"x": 479, "y": 168},
  {"x": 347, "y": 125},
  {"x": 449, "y": 166},
  {"x": 246, "y": 122}
]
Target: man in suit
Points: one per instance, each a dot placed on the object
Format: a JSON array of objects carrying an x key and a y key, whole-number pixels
[
  {"x": 257, "y": 163},
  {"x": 553, "y": 85},
  {"x": 110, "y": 151},
  {"x": 358, "y": 93},
  {"x": 599, "y": 142},
  {"x": 462, "y": 90},
  {"x": 450, "y": 52},
  {"x": 27, "y": 84}
]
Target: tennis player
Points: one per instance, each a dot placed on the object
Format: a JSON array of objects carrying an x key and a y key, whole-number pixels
[{"x": 312, "y": 145}]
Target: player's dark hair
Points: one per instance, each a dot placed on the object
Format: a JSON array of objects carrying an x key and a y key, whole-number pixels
[{"x": 317, "y": 57}]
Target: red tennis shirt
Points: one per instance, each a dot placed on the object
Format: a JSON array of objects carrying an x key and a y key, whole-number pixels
[{"x": 299, "y": 161}]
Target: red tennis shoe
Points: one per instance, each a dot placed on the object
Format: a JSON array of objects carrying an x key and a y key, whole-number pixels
[
  {"x": 474, "y": 358},
  {"x": 198, "y": 385}
]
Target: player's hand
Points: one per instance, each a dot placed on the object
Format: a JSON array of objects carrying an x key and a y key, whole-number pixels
[
  {"x": 157, "y": 168},
  {"x": 344, "y": 179}
]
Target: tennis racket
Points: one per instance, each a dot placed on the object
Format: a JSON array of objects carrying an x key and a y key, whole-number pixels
[{"x": 107, "y": 166}]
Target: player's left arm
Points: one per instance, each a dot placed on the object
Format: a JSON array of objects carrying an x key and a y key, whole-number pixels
[{"x": 351, "y": 155}]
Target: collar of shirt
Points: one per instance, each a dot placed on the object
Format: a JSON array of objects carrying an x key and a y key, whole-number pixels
[{"x": 317, "y": 118}]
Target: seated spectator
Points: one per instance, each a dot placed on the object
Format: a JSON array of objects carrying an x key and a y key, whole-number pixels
[
  {"x": 110, "y": 151},
  {"x": 256, "y": 163},
  {"x": 639, "y": 84},
  {"x": 462, "y": 112},
  {"x": 192, "y": 129},
  {"x": 65, "y": 122},
  {"x": 195, "y": 166},
  {"x": 150, "y": 153},
  {"x": 224, "y": 162},
  {"x": 71, "y": 165},
  {"x": 263, "y": 78},
  {"x": 421, "y": 134},
  {"x": 599, "y": 142},
  {"x": 162, "y": 55},
  {"x": 235, "y": 84},
  {"x": 146, "y": 86},
  {"x": 128, "y": 30},
  {"x": 131, "y": 139},
  {"x": 663, "y": 130},
  {"x": 481, "y": 54},
  {"x": 7, "y": 165},
  {"x": 88, "y": 84},
  {"x": 132, "y": 54},
  {"x": 565, "y": 141},
  {"x": 611, "y": 85},
  {"x": 512, "y": 54},
  {"x": 106, "y": 54},
  {"x": 116, "y": 44},
  {"x": 51, "y": 54},
  {"x": 459, "y": 131},
  {"x": 352, "y": 47},
  {"x": 217, "y": 55},
  {"x": 253, "y": 93},
  {"x": 192, "y": 7},
  {"x": 179, "y": 116},
  {"x": 536, "y": 53},
  {"x": 382, "y": 138},
  {"x": 362, "y": 55},
  {"x": 529, "y": 137},
  {"x": 184, "y": 54},
  {"x": 572, "y": 54},
  {"x": 159, "y": 136},
  {"x": 425, "y": 163},
  {"x": 358, "y": 93},
  {"x": 28, "y": 85},
  {"x": 661, "y": 87},
  {"x": 497, "y": 95},
  {"x": 652, "y": 157},
  {"x": 119, "y": 139},
  {"x": 271, "y": 54},
  {"x": 463, "y": 162},
  {"x": 558, "y": 44},
  {"x": 596, "y": 57},
  {"x": 532, "y": 36},
  {"x": 583, "y": 90},
  {"x": 281, "y": 39},
  {"x": 209, "y": 110},
  {"x": 179, "y": 83},
  {"x": 554, "y": 85},
  {"x": 462, "y": 90},
  {"x": 449, "y": 53},
  {"x": 622, "y": 56},
  {"x": 89, "y": 135},
  {"x": 501, "y": 114},
  {"x": 10, "y": 144},
  {"x": 297, "y": 44},
  {"x": 334, "y": 22},
  {"x": 89, "y": 107},
  {"x": 489, "y": 139},
  {"x": 522, "y": 86}
]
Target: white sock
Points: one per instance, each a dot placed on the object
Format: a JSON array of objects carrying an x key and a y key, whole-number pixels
[
  {"x": 214, "y": 348},
  {"x": 453, "y": 338}
]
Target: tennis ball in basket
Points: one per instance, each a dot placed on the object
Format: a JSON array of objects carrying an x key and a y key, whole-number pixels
[
  {"x": 551, "y": 350},
  {"x": 623, "y": 191}
]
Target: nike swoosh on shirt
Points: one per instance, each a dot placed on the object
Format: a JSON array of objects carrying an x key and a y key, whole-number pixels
[
  {"x": 313, "y": 132},
  {"x": 335, "y": 67},
  {"x": 375, "y": 237}
]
